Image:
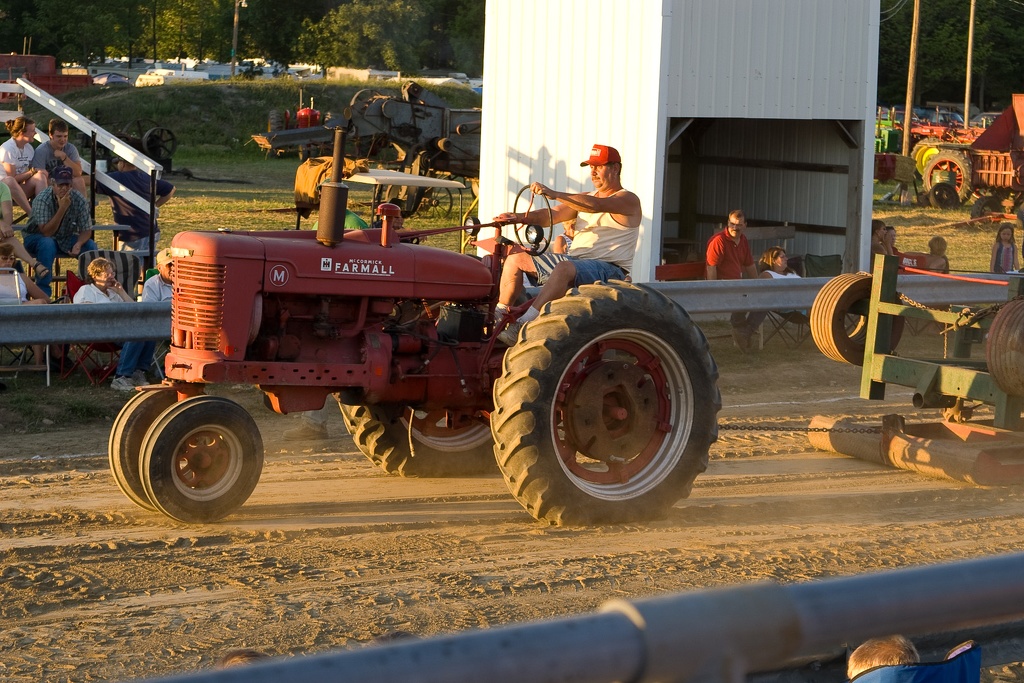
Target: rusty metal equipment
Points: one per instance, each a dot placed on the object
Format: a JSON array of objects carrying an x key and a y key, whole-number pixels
[
  {"x": 988, "y": 169},
  {"x": 846, "y": 320},
  {"x": 429, "y": 137}
]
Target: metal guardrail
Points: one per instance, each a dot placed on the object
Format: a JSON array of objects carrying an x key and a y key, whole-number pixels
[
  {"x": 60, "y": 324},
  {"x": 710, "y": 635},
  {"x": 67, "y": 323}
]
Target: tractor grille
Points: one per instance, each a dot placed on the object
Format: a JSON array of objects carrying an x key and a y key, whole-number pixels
[{"x": 198, "y": 304}]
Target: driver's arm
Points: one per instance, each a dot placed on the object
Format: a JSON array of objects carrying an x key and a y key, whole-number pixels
[{"x": 559, "y": 214}]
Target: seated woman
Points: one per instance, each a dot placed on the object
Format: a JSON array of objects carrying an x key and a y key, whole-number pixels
[
  {"x": 774, "y": 263},
  {"x": 7, "y": 233},
  {"x": 30, "y": 292},
  {"x": 16, "y": 156},
  {"x": 105, "y": 287}
]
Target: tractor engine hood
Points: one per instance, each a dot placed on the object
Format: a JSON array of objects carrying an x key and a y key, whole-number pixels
[{"x": 296, "y": 264}]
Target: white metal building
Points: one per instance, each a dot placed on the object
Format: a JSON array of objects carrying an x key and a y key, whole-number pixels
[{"x": 764, "y": 105}]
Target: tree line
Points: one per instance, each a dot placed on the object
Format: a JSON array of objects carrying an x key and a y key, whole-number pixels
[
  {"x": 410, "y": 35},
  {"x": 997, "y": 61},
  {"x": 400, "y": 35}
]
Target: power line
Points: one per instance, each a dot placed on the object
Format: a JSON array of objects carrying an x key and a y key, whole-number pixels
[{"x": 893, "y": 11}]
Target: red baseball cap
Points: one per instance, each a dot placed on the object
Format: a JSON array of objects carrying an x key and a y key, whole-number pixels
[{"x": 601, "y": 155}]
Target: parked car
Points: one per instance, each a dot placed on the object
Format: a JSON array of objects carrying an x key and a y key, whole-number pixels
[{"x": 984, "y": 119}]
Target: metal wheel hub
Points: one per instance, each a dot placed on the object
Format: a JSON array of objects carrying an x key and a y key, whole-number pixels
[
  {"x": 202, "y": 460},
  {"x": 610, "y": 414}
]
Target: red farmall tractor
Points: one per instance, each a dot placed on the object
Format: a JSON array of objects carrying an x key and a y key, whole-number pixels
[{"x": 603, "y": 411}]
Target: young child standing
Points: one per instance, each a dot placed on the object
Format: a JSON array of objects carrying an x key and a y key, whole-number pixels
[{"x": 1004, "y": 251}]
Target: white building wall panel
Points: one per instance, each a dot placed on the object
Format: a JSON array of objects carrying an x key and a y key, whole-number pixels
[
  {"x": 561, "y": 76},
  {"x": 789, "y": 59}
]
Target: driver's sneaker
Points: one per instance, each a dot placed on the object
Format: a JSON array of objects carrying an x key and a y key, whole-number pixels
[
  {"x": 120, "y": 383},
  {"x": 139, "y": 378},
  {"x": 510, "y": 335}
]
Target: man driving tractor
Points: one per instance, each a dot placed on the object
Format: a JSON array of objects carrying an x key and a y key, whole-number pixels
[{"x": 607, "y": 222}]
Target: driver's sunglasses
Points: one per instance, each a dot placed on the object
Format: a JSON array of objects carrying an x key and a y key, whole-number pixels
[{"x": 736, "y": 225}]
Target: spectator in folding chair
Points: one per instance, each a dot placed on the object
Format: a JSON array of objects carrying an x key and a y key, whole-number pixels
[
  {"x": 137, "y": 356},
  {"x": 29, "y": 292},
  {"x": 773, "y": 264},
  {"x": 7, "y": 233},
  {"x": 895, "y": 660},
  {"x": 888, "y": 651},
  {"x": 60, "y": 224},
  {"x": 729, "y": 258},
  {"x": 104, "y": 288}
]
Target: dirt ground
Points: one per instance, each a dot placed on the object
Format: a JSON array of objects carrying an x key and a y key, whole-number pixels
[{"x": 330, "y": 552}]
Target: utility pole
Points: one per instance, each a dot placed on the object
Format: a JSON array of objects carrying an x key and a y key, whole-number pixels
[
  {"x": 970, "y": 56},
  {"x": 234, "y": 37},
  {"x": 908, "y": 112}
]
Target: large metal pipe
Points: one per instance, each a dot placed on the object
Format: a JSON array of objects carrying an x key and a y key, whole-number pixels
[
  {"x": 712, "y": 635},
  {"x": 68, "y": 323},
  {"x": 330, "y": 229}
]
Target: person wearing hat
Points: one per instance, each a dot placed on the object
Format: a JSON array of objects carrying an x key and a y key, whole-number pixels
[
  {"x": 125, "y": 213},
  {"x": 137, "y": 356},
  {"x": 60, "y": 224},
  {"x": 606, "y": 228}
]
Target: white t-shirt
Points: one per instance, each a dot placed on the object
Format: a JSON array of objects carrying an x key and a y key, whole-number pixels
[
  {"x": 19, "y": 157},
  {"x": 91, "y": 294},
  {"x": 156, "y": 289},
  {"x": 779, "y": 276}
]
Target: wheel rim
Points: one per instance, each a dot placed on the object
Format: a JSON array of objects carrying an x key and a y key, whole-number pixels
[
  {"x": 207, "y": 462},
  {"x": 614, "y": 412},
  {"x": 430, "y": 428}
]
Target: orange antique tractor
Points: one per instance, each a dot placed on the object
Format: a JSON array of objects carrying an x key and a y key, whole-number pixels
[{"x": 603, "y": 411}]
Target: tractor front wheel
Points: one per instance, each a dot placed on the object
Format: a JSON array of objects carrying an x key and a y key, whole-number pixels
[
  {"x": 606, "y": 407},
  {"x": 124, "y": 448},
  {"x": 201, "y": 459}
]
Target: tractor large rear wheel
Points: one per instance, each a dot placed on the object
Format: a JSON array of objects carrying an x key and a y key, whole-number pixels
[
  {"x": 383, "y": 435},
  {"x": 606, "y": 407}
]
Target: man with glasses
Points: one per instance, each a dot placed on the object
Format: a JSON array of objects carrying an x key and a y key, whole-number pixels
[
  {"x": 606, "y": 228},
  {"x": 729, "y": 258}
]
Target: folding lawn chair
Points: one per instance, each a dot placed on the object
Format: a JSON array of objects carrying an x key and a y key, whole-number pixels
[
  {"x": 127, "y": 267},
  {"x": 98, "y": 360}
]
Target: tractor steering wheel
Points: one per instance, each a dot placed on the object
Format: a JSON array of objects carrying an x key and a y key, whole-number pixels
[{"x": 533, "y": 238}]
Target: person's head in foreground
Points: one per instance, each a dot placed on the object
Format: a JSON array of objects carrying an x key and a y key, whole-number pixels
[{"x": 887, "y": 651}]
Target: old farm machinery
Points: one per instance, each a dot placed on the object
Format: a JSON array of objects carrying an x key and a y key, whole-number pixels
[
  {"x": 855, "y": 318},
  {"x": 987, "y": 169}
]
